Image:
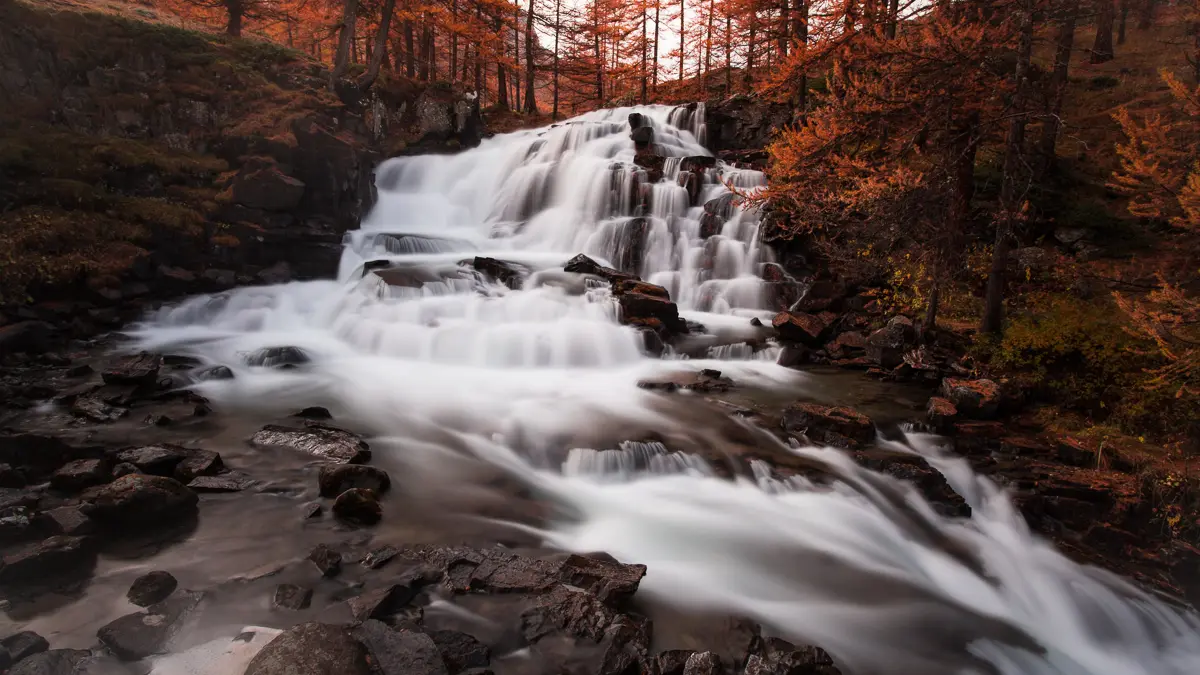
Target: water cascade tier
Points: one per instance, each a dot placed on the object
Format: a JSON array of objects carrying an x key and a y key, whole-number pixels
[{"x": 462, "y": 324}]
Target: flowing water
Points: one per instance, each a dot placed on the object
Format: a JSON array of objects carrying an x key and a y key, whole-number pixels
[{"x": 442, "y": 366}]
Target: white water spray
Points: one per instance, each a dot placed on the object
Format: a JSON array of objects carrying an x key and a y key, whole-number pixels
[{"x": 411, "y": 344}]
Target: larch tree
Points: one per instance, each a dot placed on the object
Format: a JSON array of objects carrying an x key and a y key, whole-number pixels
[{"x": 1102, "y": 47}]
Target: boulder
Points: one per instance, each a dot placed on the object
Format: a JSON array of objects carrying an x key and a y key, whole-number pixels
[
  {"x": 336, "y": 479},
  {"x": 710, "y": 225},
  {"x": 291, "y": 597},
  {"x": 581, "y": 264},
  {"x": 941, "y": 413},
  {"x": 94, "y": 409},
  {"x": 652, "y": 162},
  {"x": 611, "y": 581},
  {"x": 697, "y": 163},
  {"x": 691, "y": 182},
  {"x": 138, "y": 499},
  {"x": 401, "y": 652},
  {"x": 267, "y": 189},
  {"x": 80, "y": 475},
  {"x": 23, "y": 645},
  {"x": 25, "y": 336},
  {"x": 801, "y": 328},
  {"x": 276, "y": 357},
  {"x": 379, "y": 557},
  {"x": 58, "y": 555},
  {"x": 671, "y": 661},
  {"x": 636, "y": 120},
  {"x": 974, "y": 398},
  {"x": 313, "y": 649},
  {"x": 840, "y": 427},
  {"x": 198, "y": 463},
  {"x": 140, "y": 370},
  {"x": 887, "y": 345},
  {"x": 383, "y": 602},
  {"x": 136, "y": 636},
  {"x": 55, "y": 662},
  {"x": 68, "y": 520},
  {"x": 779, "y": 657},
  {"x": 623, "y": 286},
  {"x": 327, "y": 560},
  {"x": 358, "y": 506},
  {"x": 214, "y": 373},
  {"x": 460, "y": 651},
  {"x": 232, "y": 481},
  {"x": 151, "y": 588},
  {"x": 508, "y": 273},
  {"x": 642, "y": 136},
  {"x": 703, "y": 663},
  {"x": 154, "y": 460},
  {"x": 637, "y": 307},
  {"x": 323, "y": 442}
]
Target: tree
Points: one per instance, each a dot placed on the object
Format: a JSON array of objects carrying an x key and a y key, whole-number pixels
[
  {"x": 1063, "y": 43},
  {"x": 341, "y": 62},
  {"x": 1010, "y": 199},
  {"x": 530, "y": 98},
  {"x": 385, "y": 26},
  {"x": 1102, "y": 47}
]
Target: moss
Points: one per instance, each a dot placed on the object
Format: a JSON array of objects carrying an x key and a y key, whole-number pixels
[
  {"x": 159, "y": 213},
  {"x": 124, "y": 153}
]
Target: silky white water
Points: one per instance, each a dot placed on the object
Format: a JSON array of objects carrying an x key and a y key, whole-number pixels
[{"x": 441, "y": 363}]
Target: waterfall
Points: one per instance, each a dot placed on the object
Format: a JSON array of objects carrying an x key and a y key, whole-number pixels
[{"x": 411, "y": 342}]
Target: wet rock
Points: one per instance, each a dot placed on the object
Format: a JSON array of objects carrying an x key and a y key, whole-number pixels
[
  {"x": 232, "y": 481},
  {"x": 291, "y": 597},
  {"x": 58, "y": 555},
  {"x": 710, "y": 225},
  {"x": 581, "y": 264},
  {"x": 138, "y": 499},
  {"x": 652, "y": 162},
  {"x": 335, "y": 479},
  {"x": 267, "y": 188},
  {"x": 312, "y": 649},
  {"x": 379, "y": 557},
  {"x": 198, "y": 463},
  {"x": 502, "y": 271},
  {"x": 154, "y": 460},
  {"x": 642, "y": 136},
  {"x": 940, "y": 413},
  {"x": 17, "y": 524},
  {"x": 12, "y": 478},
  {"x": 140, "y": 370},
  {"x": 460, "y": 651},
  {"x": 623, "y": 286},
  {"x": 840, "y": 427},
  {"x": 850, "y": 342},
  {"x": 80, "y": 475},
  {"x": 611, "y": 581},
  {"x": 973, "y": 398},
  {"x": 279, "y": 273},
  {"x": 311, "y": 510},
  {"x": 383, "y": 602},
  {"x": 671, "y": 662},
  {"x": 55, "y": 662},
  {"x": 358, "y": 506},
  {"x": 569, "y": 611},
  {"x": 800, "y": 328},
  {"x": 142, "y": 634},
  {"x": 277, "y": 357},
  {"x": 780, "y": 657},
  {"x": 886, "y": 346},
  {"x": 327, "y": 560},
  {"x": 214, "y": 373},
  {"x": 11, "y": 497},
  {"x": 636, "y": 120},
  {"x": 703, "y": 663},
  {"x": 314, "y": 413},
  {"x": 124, "y": 469},
  {"x": 151, "y": 588},
  {"x": 157, "y": 420},
  {"x": 400, "y": 652},
  {"x": 96, "y": 410},
  {"x": 23, "y": 645},
  {"x": 793, "y": 356},
  {"x": 25, "y": 336},
  {"x": 697, "y": 163},
  {"x": 68, "y": 520},
  {"x": 691, "y": 182},
  {"x": 637, "y": 307},
  {"x": 324, "y": 442}
]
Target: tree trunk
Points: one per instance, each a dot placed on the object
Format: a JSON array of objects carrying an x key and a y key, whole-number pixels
[
  {"x": 501, "y": 76},
  {"x": 893, "y": 18},
  {"x": 728, "y": 53},
  {"x": 801, "y": 28},
  {"x": 1123, "y": 17},
  {"x": 750, "y": 46},
  {"x": 645, "y": 56},
  {"x": 1064, "y": 42},
  {"x": 341, "y": 62},
  {"x": 682, "y": 40},
  {"x": 431, "y": 52},
  {"x": 599, "y": 60},
  {"x": 1145, "y": 14},
  {"x": 530, "y": 98},
  {"x": 237, "y": 12},
  {"x": 410, "y": 54},
  {"x": 1102, "y": 48},
  {"x": 557, "y": 30},
  {"x": 782, "y": 37},
  {"x": 657, "y": 14},
  {"x": 993, "y": 314},
  {"x": 385, "y": 25},
  {"x": 454, "y": 43}
]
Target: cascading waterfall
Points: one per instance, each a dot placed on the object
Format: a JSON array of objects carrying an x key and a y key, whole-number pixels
[{"x": 410, "y": 343}]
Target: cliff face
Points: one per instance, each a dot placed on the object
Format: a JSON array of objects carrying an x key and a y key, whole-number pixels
[
  {"x": 140, "y": 160},
  {"x": 740, "y": 127}
]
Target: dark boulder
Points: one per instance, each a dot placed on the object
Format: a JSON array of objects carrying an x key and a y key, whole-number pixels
[
  {"x": 611, "y": 581},
  {"x": 26, "y": 336},
  {"x": 291, "y": 597},
  {"x": 653, "y": 164},
  {"x": 636, "y": 120},
  {"x": 581, "y": 264},
  {"x": 460, "y": 651},
  {"x": 637, "y": 307},
  {"x": 779, "y": 657},
  {"x": 313, "y": 649},
  {"x": 973, "y": 398},
  {"x": 154, "y": 460},
  {"x": 151, "y": 588},
  {"x": 623, "y": 286},
  {"x": 138, "y": 499},
  {"x": 232, "y": 481},
  {"x": 80, "y": 475},
  {"x": 501, "y": 271},
  {"x": 136, "y": 636},
  {"x": 379, "y": 557},
  {"x": 691, "y": 182},
  {"x": 68, "y": 520},
  {"x": 801, "y": 328},
  {"x": 23, "y": 645},
  {"x": 94, "y": 409},
  {"x": 56, "y": 556},
  {"x": 198, "y": 463},
  {"x": 400, "y": 652},
  {"x": 358, "y": 506},
  {"x": 671, "y": 661},
  {"x": 324, "y": 442},
  {"x": 703, "y": 663},
  {"x": 55, "y": 662},
  {"x": 642, "y": 136},
  {"x": 277, "y": 357},
  {"x": 887, "y": 345},
  {"x": 697, "y": 163},
  {"x": 381, "y": 603},
  {"x": 327, "y": 560},
  {"x": 941, "y": 413},
  {"x": 214, "y": 373},
  {"x": 840, "y": 427},
  {"x": 140, "y": 370},
  {"x": 336, "y": 479}
]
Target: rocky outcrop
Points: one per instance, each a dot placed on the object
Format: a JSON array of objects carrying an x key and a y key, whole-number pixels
[
  {"x": 741, "y": 127},
  {"x": 840, "y": 427}
]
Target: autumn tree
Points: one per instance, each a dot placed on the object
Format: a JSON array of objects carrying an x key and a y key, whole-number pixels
[{"x": 1102, "y": 47}]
